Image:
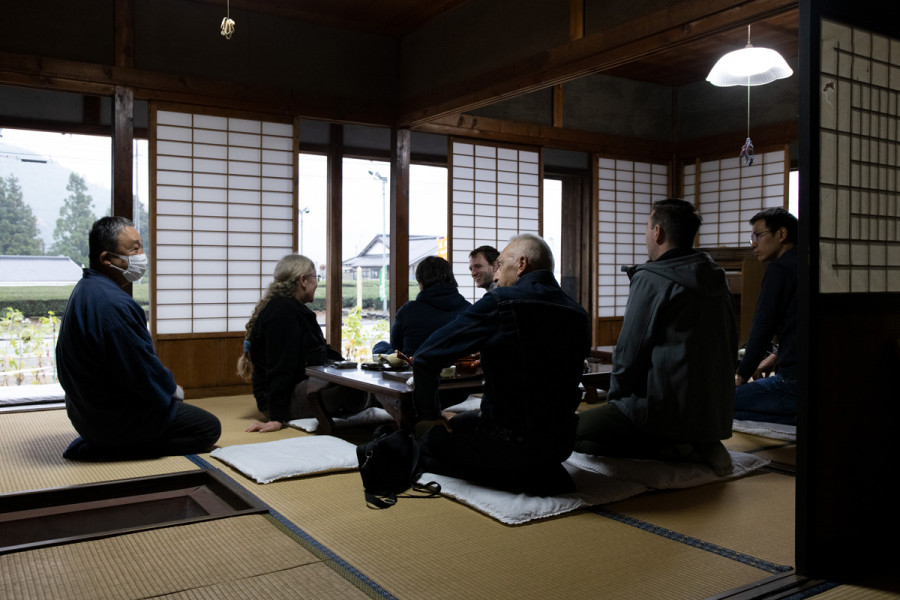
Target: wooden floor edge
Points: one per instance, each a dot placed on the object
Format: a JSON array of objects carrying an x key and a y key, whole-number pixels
[{"x": 784, "y": 585}]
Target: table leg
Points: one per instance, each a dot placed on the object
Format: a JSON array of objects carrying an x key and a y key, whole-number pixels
[{"x": 326, "y": 423}]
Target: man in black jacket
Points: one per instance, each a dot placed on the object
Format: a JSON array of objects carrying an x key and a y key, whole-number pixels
[
  {"x": 772, "y": 399},
  {"x": 671, "y": 395},
  {"x": 533, "y": 340}
]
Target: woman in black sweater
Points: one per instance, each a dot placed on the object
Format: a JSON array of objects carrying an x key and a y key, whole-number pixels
[{"x": 283, "y": 338}]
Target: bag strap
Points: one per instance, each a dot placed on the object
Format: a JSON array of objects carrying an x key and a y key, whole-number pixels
[
  {"x": 425, "y": 490},
  {"x": 375, "y": 501}
]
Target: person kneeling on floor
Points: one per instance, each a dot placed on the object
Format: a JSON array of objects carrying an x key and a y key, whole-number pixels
[{"x": 120, "y": 398}]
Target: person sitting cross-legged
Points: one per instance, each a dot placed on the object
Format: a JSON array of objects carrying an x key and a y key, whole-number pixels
[
  {"x": 671, "y": 395},
  {"x": 533, "y": 340}
]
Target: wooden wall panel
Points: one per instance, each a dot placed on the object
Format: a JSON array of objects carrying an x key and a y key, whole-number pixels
[
  {"x": 204, "y": 366},
  {"x": 607, "y": 330}
]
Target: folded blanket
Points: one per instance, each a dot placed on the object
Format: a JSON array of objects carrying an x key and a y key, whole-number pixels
[
  {"x": 31, "y": 394},
  {"x": 598, "y": 480},
  {"x": 266, "y": 462},
  {"x": 470, "y": 403},
  {"x": 371, "y": 415},
  {"x": 776, "y": 431}
]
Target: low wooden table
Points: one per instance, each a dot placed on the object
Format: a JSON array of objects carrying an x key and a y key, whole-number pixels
[
  {"x": 394, "y": 395},
  {"x": 597, "y": 379}
]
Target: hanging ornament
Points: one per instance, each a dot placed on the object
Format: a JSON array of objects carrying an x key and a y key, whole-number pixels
[
  {"x": 747, "y": 152},
  {"x": 227, "y": 26}
]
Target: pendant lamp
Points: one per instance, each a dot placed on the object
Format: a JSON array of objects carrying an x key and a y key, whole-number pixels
[{"x": 749, "y": 66}]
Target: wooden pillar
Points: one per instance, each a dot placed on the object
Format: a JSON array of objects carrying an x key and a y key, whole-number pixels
[
  {"x": 123, "y": 153},
  {"x": 334, "y": 237},
  {"x": 123, "y": 116},
  {"x": 399, "y": 260}
]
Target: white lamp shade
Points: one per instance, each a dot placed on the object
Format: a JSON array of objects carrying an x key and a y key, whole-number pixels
[{"x": 749, "y": 66}]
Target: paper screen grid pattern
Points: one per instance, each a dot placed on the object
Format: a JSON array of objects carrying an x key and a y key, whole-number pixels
[
  {"x": 627, "y": 189},
  {"x": 729, "y": 193},
  {"x": 859, "y": 224},
  {"x": 224, "y": 217},
  {"x": 495, "y": 195}
]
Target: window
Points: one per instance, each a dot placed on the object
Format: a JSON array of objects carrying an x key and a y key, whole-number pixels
[
  {"x": 225, "y": 215},
  {"x": 495, "y": 195}
]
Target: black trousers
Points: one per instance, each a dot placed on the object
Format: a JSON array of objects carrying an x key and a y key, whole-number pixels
[
  {"x": 481, "y": 453},
  {"x": 192, "y": 431}
]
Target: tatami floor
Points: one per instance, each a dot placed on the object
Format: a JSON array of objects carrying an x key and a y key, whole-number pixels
[{"x": 321, "y": 541}]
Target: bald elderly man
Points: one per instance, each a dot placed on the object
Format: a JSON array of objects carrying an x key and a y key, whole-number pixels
[{"x": 533, "y": 340}]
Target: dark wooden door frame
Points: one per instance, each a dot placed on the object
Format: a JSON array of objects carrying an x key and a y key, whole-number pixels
[{"x": 848, "y": 410}]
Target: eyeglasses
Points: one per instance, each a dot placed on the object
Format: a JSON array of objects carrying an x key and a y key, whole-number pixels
[{"x": 754, "y": 237}]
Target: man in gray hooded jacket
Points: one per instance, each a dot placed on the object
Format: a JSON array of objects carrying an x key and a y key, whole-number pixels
[{"x": 671, "y": 394}]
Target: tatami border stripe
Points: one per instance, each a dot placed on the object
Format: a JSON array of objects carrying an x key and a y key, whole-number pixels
[
  {"x": 335, "y": 562},
  {"x": 691, "y": 541}
]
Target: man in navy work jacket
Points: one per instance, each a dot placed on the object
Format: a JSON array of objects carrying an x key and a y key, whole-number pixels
[
  {"x": 120, "y": 398},
  {"x": 533, "y": 340}
]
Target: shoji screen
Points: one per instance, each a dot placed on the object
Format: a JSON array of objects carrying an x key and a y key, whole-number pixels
[
  {"x": 626, "y": 191},
  {"x": 495, "y": 193},
  {"x": 728, "y": 193},
  {"x": 859, "y": 227},
  {"x": 224, "y": 214}
]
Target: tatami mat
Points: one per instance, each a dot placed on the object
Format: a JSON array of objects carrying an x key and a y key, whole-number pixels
[
  {"x": 753, "y": 515},
  {"x": 237, "y": 413},
  {"x": 422, "y": 548},
  {"x": 436, "y": 548},
  {"x": 226, "y": 558},
  {"x": 31, "y": 446}
]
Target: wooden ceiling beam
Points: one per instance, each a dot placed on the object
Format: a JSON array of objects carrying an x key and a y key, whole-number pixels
[
  {"x": 545, "y": 135},
  {"x": 90, "y": 78},
  {"x": 657, "y": 32}
]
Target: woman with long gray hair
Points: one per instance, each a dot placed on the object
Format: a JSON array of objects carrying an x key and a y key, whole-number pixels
[{"x": 282, "y": 338}]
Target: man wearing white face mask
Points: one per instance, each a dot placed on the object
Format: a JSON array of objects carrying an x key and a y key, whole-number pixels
[{"x": 120, "y": 398}]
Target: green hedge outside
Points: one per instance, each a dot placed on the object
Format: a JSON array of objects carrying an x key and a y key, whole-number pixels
[
  {"x": 370, "y": 298},
  {"x": 38, "y": 301}
]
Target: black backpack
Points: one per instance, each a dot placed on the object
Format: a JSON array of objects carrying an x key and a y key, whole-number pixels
[{"x": 387, "y": 465}]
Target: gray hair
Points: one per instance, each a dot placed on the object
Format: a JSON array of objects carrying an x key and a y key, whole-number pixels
[
  {"x": 535, "y": 249},
  {"x": 287, "y": 272}
]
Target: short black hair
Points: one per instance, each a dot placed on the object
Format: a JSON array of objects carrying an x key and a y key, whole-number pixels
[
  {"x": 432, "y": 270},
  {"x": 490, "y": 253},
  {"x": 679, "y": 219},
  {"x": 104, "y": 237},
  {"x": 775, "y": 218}
]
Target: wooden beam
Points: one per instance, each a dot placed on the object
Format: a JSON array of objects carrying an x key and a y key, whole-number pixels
[
  {"x": 124, "y": 33},
  {"x": 89, "y": 78},
  {"x": 655, "y": 32},
  {"x": 774, "y": 135},
  {"x": 558, "y": 105},
  {"x": 333, "y": 238},
  {"x": 543, "y": 135},
  {"x": 399, "y": 261},
  {"x": 123, "y": 154},
  {"x": 576, "y": 19}
]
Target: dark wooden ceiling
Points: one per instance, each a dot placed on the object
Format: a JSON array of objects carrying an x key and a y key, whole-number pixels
[
  {"x": 388, "y": 17},
  {"x": 691, "y": 62},
  {"x": 676, "y": 65}
]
